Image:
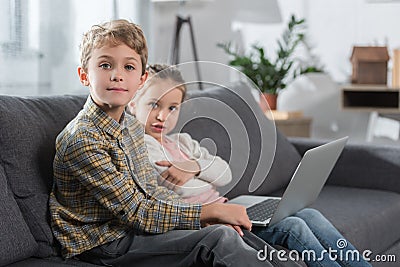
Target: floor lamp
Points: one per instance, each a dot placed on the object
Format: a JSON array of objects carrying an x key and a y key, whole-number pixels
[{"x": 174, "y": 56}]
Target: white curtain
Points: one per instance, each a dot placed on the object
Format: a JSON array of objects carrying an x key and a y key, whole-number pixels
[{"x": 39, "y": 42}]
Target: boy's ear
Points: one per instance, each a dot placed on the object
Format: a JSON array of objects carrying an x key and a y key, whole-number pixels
[
  {"x": 143, "y": 78},
  {"x": 83, "y": 77}
]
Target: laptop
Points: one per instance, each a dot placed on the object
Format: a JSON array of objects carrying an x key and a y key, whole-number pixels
[{"x": 303, "y": 189}]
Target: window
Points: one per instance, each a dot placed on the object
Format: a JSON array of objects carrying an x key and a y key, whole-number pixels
[{"x": 39, "y": 42}]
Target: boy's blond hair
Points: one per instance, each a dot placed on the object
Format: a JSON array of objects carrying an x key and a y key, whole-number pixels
[{"x": 114, "y": 33}]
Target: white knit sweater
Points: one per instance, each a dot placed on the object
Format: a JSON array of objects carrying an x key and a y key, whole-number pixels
[{"x": 214, "y": 171}]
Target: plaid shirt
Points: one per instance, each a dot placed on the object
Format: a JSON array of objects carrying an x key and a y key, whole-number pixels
[{"x": 104, "y": 185}]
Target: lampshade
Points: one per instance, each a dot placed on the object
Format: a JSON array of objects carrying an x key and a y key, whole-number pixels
[{"x": 257, "y": 11}]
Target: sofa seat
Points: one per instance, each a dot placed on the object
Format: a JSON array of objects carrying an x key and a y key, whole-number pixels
[
  {"x": 361, "y": 198},
  {"x": 364, "y": 216},
  {"x": 50, "y": 262}
]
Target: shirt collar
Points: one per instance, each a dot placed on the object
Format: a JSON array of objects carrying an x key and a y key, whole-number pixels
[
  {"x": 134, "y": 126},
  {"x": 103, "y": 120}
]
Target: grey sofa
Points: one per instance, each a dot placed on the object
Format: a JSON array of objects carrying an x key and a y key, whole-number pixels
[{"x": 361, "y": 198}]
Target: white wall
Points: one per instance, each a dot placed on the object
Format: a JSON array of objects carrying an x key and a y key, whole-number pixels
[
  {"x": 211, "y": 22},
  {"x": 334, "y": 27},
  {"x": 56, "y": 28},
  {"x": 338, "y": 25}
]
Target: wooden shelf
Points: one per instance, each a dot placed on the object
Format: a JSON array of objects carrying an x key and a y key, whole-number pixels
[
  {"x": 378, "y": 98},
  {"x": 299, "y": 127},
  {"x": 291, "y": 123}
]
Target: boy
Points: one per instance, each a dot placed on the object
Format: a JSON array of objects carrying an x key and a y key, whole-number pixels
[{"x": 105, "y": 203}]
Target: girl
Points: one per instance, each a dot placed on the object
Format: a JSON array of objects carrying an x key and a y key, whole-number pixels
[
  {"x": 193, "y": 173},
  {"x": 186, "y": 167}
]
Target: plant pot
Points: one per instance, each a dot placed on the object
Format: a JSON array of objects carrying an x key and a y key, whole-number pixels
[{"x": 271, "y": 99}]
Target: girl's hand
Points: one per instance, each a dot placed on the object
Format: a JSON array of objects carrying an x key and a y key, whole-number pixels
[{"x": 178, "y": 173}]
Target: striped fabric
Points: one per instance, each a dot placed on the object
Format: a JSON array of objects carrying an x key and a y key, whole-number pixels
[{"x": 105, "y": 186}]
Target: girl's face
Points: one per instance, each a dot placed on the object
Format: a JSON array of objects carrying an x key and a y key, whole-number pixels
[{"x": 158, "y": 107}]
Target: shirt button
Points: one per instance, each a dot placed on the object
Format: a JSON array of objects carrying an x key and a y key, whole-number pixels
[{"x": 122, "y": 213}]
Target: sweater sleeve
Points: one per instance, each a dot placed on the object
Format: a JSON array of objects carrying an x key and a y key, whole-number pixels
[
  {"x": 155, "y": 152},
  {"x": 213, "y": 169}
]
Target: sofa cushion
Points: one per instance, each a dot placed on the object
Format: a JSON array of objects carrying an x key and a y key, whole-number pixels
[
  {"x": 369, "y": 222},
  {"x": 369, "y": 165},
  {"x": 29, "y": 127},
  {"x": 17, "y": 241},
  {"x": 391, "y": 256},
  {"x": 243, "y": 136}
]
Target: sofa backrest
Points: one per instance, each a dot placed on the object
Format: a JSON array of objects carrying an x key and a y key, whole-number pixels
[
  {"x": 255, "y": 152},
  {"x": 28, "y": 130},
  {"x": 17, "y": 242},
  {"x": 29, "y": 127}
]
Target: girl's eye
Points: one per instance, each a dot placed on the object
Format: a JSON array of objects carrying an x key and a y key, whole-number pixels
[
  {"x": 153, "y": 105},
  {"x": 105, "y": 66},
  {"x": 173, "y": 108},
  {"x": 129, "y": 67}
]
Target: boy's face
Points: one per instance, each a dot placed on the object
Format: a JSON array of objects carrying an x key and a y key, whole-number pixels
[
  {"x": 114, "y": 74},
  {"x": 158, "y": 108}
]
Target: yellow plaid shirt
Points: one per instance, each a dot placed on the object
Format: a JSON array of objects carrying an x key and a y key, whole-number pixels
[{"x": 105, "y": 186}]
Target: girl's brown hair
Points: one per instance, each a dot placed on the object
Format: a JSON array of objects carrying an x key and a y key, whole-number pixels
[{"x": 163, "y": 71}]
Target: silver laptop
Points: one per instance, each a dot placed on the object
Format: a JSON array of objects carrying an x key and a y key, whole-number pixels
[{"x": 303, "y": 189}]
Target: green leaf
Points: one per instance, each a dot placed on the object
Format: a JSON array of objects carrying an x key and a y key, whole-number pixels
[{"x": 270, "y": 76}]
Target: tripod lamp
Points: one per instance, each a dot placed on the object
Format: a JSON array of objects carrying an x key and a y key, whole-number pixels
[{"x": 174, "y": 56}]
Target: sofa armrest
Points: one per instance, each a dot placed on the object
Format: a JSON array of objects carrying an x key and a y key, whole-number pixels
[{"x": 361, "y": 165}]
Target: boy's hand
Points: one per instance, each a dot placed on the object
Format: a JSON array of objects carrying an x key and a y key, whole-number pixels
[
  {"x": 178, "y": 173},
  {"x": 225, "y": 213}
]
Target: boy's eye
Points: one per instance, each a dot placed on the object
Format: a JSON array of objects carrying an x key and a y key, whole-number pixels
[
  {"x": 105, "y": 66},
  {"x": 172, "y": 108},
  {"x": 129, "y": 67}
]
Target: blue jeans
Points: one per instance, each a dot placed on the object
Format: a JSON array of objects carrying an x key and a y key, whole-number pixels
[{"x": 309, "y": 233}]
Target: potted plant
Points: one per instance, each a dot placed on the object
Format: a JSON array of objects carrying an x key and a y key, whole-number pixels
[{"x": 269, "y": 75}]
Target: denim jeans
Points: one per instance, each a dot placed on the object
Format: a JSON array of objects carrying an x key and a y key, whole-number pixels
[{"x": 310, "y": 233}]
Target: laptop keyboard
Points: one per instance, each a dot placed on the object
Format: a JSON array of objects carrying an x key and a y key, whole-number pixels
[{"x": 263, "y": 210}]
